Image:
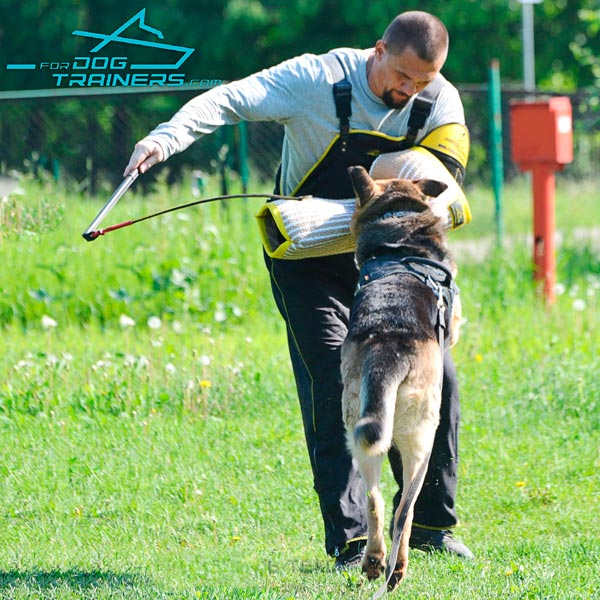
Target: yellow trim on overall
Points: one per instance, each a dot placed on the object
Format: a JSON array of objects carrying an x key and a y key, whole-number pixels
[
  {"x": 333, "y": 141},
  {"x": 362, "y": 538},
  {"x": 451, "y": 139},
  {"x": 428, "y": 528}
]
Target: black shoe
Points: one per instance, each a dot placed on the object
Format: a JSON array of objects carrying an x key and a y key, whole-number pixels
[
  {"x": 438, "y": 540},
  {"x": 350, "y": 555}
]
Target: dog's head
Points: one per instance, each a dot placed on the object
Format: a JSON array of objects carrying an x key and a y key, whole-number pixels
[{"x": 377, "y": 199}]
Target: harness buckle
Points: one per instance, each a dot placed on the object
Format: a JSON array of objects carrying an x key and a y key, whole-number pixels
[
  {"x": 342, "y": 95},
  {"x": 441, "y": 306}
]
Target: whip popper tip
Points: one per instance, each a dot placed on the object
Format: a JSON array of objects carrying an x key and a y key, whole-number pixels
[
  {"x": 91, "y": 233},
  {"x": 90, "y": 236}
]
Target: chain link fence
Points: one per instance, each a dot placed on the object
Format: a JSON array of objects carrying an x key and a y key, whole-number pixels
[{"x": 86, "y": 140}]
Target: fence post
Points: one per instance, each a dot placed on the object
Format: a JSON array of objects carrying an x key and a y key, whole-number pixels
[
  {"x": 495, "y": 120},
  {"x": 243, "y": 155},
  {"x": 223, "y": 159}
]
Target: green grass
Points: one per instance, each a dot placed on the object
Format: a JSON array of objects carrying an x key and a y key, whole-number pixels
[{"x": 169, "y": 462}]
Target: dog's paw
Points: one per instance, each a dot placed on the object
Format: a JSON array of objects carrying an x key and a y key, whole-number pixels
[
  {"x": 397, "y": 576},
  {"x": 373, "y": 565}
]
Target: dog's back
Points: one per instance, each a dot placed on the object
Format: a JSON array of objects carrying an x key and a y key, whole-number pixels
[
  {"x": 391, "y": 359},
  {"x": 391, "y": 324}
]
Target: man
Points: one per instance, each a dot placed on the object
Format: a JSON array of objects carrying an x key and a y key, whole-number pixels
[{"x": 325, "y": 132}]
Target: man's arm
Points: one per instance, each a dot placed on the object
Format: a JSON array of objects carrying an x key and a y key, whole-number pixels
[{"x": 275, "y": 94}]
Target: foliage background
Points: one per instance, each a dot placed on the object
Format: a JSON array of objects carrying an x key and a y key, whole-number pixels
[
  {"x": 90, "y": 138},
  {"x": 223, "y": 32}
]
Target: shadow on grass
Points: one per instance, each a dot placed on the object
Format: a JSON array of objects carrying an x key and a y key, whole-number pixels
[
  {"x": 107, "y": 584},
  {"x": 74, "y": 579}
]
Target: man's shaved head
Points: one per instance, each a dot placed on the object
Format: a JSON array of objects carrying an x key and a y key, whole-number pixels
[{"x": 421, "y": 31}]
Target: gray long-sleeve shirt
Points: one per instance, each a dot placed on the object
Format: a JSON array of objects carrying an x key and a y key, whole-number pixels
[{"x": 298, "y": 94}]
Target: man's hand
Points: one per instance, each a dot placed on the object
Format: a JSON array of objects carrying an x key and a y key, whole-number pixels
[{"x": 146, "y": 154}]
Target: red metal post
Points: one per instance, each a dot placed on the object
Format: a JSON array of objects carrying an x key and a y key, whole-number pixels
[
  {"x": 542, "y": 142},
  {"x": 544, "y": 250}
]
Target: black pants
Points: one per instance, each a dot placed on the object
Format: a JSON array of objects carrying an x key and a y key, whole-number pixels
[{"x": 314, "y": 297}]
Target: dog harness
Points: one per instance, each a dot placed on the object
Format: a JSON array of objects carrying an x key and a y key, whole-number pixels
[{"x": 432, "y": 273}]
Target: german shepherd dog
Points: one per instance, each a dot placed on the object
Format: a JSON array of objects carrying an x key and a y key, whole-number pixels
[{"x": 392, "y": 363}]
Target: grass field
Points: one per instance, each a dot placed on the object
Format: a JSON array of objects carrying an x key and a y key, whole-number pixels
[{"x": 150, "y": 442}]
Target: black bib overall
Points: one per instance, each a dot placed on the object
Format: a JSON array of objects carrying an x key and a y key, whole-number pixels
[{"x": 314, "y": 296}]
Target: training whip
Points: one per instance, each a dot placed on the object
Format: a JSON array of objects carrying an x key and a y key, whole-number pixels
[{"x": 91, "y": 233}]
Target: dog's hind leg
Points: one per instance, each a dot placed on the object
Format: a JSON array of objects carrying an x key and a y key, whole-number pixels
[
  {"x": 401, "y": 566},
  {"x": 415, "y": 448},
  {"x": 371, "y": 441},
  {"x": 373, "y": 563}
]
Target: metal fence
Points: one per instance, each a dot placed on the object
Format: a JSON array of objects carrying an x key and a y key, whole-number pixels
[{"x": 86, "y": 139}]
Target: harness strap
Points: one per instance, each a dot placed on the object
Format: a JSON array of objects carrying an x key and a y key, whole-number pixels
[
  {"x": 342, "y": 96},
  {"x": 430, "y": 272},
  {"x": 421, "y": 109}
]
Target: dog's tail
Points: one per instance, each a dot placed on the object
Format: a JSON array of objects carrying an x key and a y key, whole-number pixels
[{"x": 381, "y": 377}]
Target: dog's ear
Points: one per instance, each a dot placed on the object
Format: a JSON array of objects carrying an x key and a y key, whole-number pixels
[
  {"x": 431, "y": 187},
  {"x": 363, "y": 185}
]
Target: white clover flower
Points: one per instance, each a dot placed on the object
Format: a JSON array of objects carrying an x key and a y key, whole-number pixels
[
  {"x": 237, "y": 311},
  {"x": 23, "y": 364},
  {"x": 129, "y": 360},
  {"x": 143, "y": 362},
  {"x": 67, "y": 356},
  {"x": 220, "y": 315},
  {"x": 204, "y": 360},
  {"x": 579, "y": 305},
  {"x": 48, "y": 322},
  {"x": 170, "y": 368},
  {"x": 51, "y": 360},
  {"x": 177, "y": 327},
  {"x": 179, "y": 278},
  {"x": 154, "y": 322},
  {"x": 560, "y": 289},
  {"x": 126, "y": 321}
]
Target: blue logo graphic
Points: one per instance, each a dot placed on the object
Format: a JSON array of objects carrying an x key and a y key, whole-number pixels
[
  {"x": 96, "y": 70},
  {"x": 116, "y": 37}
]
